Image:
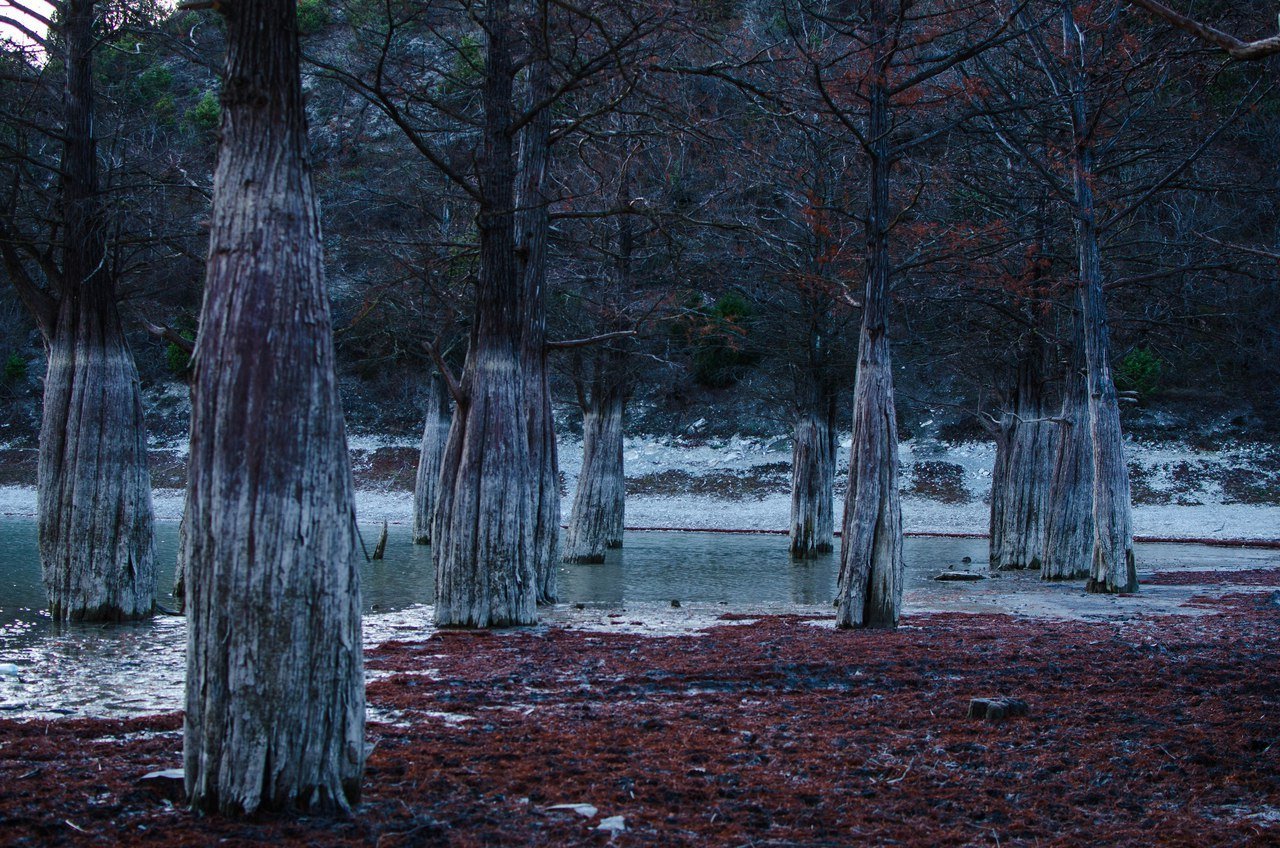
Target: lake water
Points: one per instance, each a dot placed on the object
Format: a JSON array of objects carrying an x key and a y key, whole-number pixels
[{"x": 134, "y": 669}]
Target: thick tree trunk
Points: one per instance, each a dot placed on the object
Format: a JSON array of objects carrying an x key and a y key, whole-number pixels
[
  {"x": 595, "y": 523},
  {"x": 94, "y": 491},
  {"x": 1113, "y": 569},
  {"x": 483, "y": 539},
  {"x": 871, "y": 568},
  {"x": 1068, "y": 546},
  {"x": 1023, "y": 470},
  {"x": 435, "y": 433},
  {"x": 869, "y": 593},
  {"x": 813, "y": 471},
  {"x": 532, "y": 227},
  {"x": 275, "y": 679}
]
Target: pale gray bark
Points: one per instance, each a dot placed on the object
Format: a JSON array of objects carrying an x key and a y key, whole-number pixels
[
  {"x": 483, "y": 538},
  {"x": 1068, "y": 547},
  {"x": 1023, "y": 471},
  {"x": 813, "y": 471},
  {"x": 532, "y": 226},
  {"x": 871, "y": 567},
  {"x": 1113, "y": 569},
  {"x": 596, "y": 521},
  {"x": 435, "y": 433},
  {"x": 275, "y": 683},
  {"x": 869, "y": 592},
  {"x": 95, "y": 520}
]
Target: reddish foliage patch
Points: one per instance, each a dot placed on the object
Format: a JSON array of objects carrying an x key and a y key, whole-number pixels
[
  {"x": 1243, "y": 577},
  {"x": 773, "y": 733}
]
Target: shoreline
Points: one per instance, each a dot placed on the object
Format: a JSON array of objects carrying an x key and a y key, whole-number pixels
[{"x": 1250, "y": 525}]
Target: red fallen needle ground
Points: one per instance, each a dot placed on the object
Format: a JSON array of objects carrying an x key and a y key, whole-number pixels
[{"x": 777, "y": 732}]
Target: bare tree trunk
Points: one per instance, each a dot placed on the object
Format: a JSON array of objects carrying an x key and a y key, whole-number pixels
[
  {"x": 483, "y": 537},
  {"x": 180, "y": 570},
  {"x": 869, "y": 593},
  {"x": 1068, "y": 546},
  {"x": 435, "y": 433},
  {"x": 1113, "y": 569},
  {"x": 596, "y": 521},
  {"x": 275, "y": 679},
  {"x": 1023, "y": 470},
  {"x": 94, "y": 491},
  {"x": 532, "y": 226},
  {"x": 813, "y": 470}
]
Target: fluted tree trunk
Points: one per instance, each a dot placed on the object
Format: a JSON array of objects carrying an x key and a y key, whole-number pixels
[
  {"x": 483, "y": 538},
  {"x": 599, "y": 504},
  {"x": 869, "y": 592},
  {"x": 1068, "y": 546},
  {"x": 95, "y": 520},
  {"x": 532, "y": 226},
  {"x": 435, "y": 433},
  {"x": 1113, "y": 569},
  {"x": 1023, "y": 469},
  {"x": 813, "y": 471},
  {"x": 275, "y": 684}
]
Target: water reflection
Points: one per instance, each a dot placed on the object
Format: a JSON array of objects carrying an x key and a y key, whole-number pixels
[{"x": 134, "y": 669}]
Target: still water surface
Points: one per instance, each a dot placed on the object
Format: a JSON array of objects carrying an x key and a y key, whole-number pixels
[{"x": 133, "y": 669}]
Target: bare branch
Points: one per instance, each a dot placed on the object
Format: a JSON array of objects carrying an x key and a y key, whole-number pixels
[
  {"x": 450, "y": 382},
  {"x": 1234, "y": 47},
  {"x": 590, "y": 340}
]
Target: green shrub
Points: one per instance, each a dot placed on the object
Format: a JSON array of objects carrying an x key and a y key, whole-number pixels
[
  {"x": 154, "y": 83},
  {"x": 313, "y": 16},
  {"x": 15, "y": 369},
  {"x": 178, "y": 360},
  {"x": 721, "y": 334},
  {"x": 166, "y": 110},
  {"x": 206, "y": 115},
  {"x": 1139, "y": 372}
]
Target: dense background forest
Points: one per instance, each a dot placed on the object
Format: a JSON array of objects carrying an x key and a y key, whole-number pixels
[{"x": 704, "y": 196}]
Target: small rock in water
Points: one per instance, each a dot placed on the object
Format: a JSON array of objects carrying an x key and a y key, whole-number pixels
[
  {"x": 579, "y": 606},
  {"x": 614, "y": 825},
  {"x": 994, "y": 709},
  {"x": 587, "y": 811},
  {"x": 675, "y": 604},
  {"x": 960, "y": 576},
  {"x": 966, "y": 560}
]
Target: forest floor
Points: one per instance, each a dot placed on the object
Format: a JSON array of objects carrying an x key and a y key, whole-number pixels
[{"x": 772, "y": 730}]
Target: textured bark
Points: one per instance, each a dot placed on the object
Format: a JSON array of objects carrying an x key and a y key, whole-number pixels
[
  {"x": 532, "y": 227},
  {"x": 180, "y": 570},
  {"x": 813, "y": 471},
  {"x": 435, "y": 433},
  {"x": 1068, "y": 546},
  {"x": 1113, "y": 569},
  {"x": 275, "y": 682},
  {"x": 1023, "y": 469},
  {"x": 483, "y": 535},
  {"x": 94, "y": 491},
  {"x": 869, "y": 593},
  {"x": 596, "y": 521}
]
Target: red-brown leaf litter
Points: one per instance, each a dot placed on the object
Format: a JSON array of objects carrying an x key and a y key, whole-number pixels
[{"x": 770, "y": 732}]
